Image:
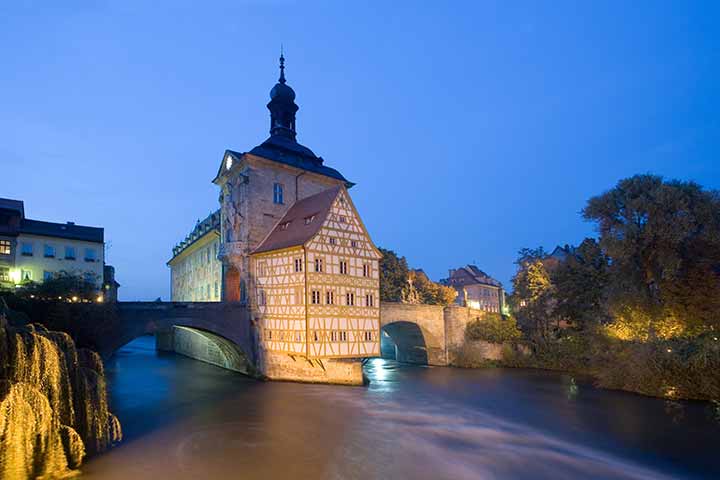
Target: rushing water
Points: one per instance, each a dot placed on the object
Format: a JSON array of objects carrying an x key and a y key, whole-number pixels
[{"x": 184, "y": 419}]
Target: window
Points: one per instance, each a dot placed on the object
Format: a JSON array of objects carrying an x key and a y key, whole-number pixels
[
  {"x": 308, "y": 220},
  {"x": 48, "y": 275},
  {"x": 90, "y": 255},
  {"x": 330, "y": 297},
  {"x": 318, "y": 264},
  {"x": 349, "y": 299},
  {"x": 353, "y": 244},
  {"x": 342, "y": 219},
  {"x": 26, "y": 249},
  {"x": 49, "y": 251},
  {"x": 4, "y": 247},
  {"x": 89, "y": 277},
  {"x": 332, "y": 240},
  {"x": 333, "y": 336},
  {"x": 69, "y": 253},
  {"x": 343, "y": 335},
  {"x": 25, "y": 275},
  {"x": 343, "y": 267},
  {"x": 4, "y": 274},
  {"x": 369, "y": 300},
  {"x": 278, "y": 193},
  {"x": 215, "y": 290},
  {"x": 298, "y": 265},
  {"x": 366, "y": 270},
  {"x": 261, "y": 297},
  {"x": 284, "y": 225},
  {"x": 315, "y": 297},
  {"x": 369, "y": 335}
]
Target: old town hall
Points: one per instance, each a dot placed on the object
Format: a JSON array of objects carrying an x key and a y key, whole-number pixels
[{"x": 288, "y": 242}]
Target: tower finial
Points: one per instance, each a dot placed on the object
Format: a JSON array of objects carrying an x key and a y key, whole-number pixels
[{"x": 282, "y": 65}]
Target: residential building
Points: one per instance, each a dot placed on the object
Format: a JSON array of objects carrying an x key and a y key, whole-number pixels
[
  {"x": 476, "y": 289},
  {"x": 35, "y": 250}
]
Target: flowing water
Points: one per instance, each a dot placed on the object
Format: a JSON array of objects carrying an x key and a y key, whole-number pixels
[{"x": 183, "y": 419}]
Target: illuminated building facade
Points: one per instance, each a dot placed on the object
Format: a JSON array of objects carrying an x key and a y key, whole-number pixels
[
  {"x": 263, "y": 194},
  {"x": 476, "y": 289},
  {"x": 34, "y": 250}
]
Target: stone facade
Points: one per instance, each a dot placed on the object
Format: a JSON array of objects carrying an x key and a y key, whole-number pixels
[{"x": 195, "y": 271}]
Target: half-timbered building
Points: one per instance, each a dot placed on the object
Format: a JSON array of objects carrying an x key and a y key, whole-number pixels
[{"x": 317, "y": 281}]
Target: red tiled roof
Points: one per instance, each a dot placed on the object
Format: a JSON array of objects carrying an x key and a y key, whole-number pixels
[{"x": 292, "y": 230}]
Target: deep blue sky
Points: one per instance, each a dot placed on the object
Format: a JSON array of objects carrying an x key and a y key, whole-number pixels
[{"x": 472, "y": 129}]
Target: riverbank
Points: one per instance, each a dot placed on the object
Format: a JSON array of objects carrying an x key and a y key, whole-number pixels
[{"x": 680, "y": 369}]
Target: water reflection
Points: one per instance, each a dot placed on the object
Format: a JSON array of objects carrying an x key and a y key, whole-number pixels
[{"x": 185, "y": 419}]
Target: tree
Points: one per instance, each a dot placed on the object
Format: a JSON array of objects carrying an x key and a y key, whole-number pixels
[
  {"x": 581, "y": 285},
  {"x": 663, "y": 241},
  {"x": 393, "y": 276},
  {"x": 62, "y": 286},
  {"x": 533, "y": 293},
  {"x": 420, "y": 289}
]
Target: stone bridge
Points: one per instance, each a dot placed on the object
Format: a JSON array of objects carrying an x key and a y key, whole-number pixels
[
  {"x": 223, "y": 334},
  {"x": 424, "y": 334}
]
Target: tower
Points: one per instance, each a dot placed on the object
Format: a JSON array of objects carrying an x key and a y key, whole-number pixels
[{"x": 257, "y": 188}]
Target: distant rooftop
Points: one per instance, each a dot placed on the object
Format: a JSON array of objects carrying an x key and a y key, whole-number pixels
[
  {"x": 28, "y": 226},
  {"x": 469, "y": 275}
]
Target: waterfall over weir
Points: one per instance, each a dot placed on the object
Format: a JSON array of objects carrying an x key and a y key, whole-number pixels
[{"x": 53, "y": 404}]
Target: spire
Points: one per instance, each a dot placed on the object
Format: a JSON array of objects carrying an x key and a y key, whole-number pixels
[
  {"x": 282, "y": 66},
  {"x": 282, "y": 106}
]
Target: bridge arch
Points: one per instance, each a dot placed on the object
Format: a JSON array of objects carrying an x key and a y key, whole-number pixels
[
  {"x": 417, "y": 331},
  {"x": 205, "y": 346}
]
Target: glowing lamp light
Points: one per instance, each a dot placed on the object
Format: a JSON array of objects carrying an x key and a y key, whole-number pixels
[
  {"x": 669, "y": 350},
  {"x": 99, "y": 299},
  {"x": 74, "y": 299},
  {"x": 15, "y": 276}
]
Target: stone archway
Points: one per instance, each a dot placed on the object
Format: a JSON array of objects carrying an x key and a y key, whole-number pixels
[{"x": 409, "y": 342}]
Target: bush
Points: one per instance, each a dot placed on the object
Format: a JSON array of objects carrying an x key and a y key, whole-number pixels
[{"x": 494, "y": 328}]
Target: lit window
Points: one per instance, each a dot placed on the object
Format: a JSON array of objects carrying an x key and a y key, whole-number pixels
[
  {"x": 26, "y": 249},
  {"x": 298, "y": 264},
  {"x": 366, "y": 270},
  {"x": 69, "y": 253},
  {"x": 330, "y": 297},
  {"x": 350, "y": 299},
  {"x": 49, "y": 251},
  {"x": 278, "y": 193},
  {"x": 90, "y": 255},
  {"x": 5, "y": 247},
  {"x": 343, "y": 267},
  {"x": 318, "y": 265},
  {"x": 315, "y": 297},
  {"x": 25, "y": 275}
]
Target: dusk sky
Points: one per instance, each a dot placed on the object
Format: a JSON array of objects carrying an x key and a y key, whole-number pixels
[{"x": 471, "y": 129}]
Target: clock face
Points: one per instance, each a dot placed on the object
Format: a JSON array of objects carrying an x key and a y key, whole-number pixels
[{"x": 228, "y": 162}]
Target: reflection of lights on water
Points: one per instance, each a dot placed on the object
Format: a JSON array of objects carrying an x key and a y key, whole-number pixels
[{"x": 379, "y": 372}]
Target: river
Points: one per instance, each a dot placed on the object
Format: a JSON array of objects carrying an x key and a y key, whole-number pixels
[{"x": 183, "y": 419}]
